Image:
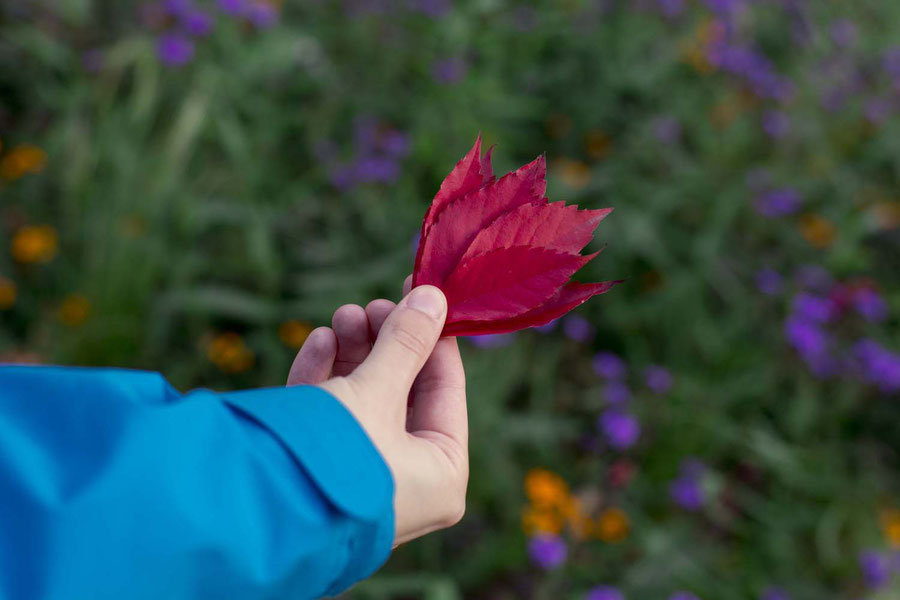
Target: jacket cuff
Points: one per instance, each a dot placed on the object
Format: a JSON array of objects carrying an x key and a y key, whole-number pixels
[{"x": 338, "y": 456}]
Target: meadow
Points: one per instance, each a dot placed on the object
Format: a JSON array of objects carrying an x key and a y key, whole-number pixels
[{"x": 192, "y": 186}]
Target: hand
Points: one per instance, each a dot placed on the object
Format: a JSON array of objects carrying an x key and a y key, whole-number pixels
[{"x": 373, "y": 361}]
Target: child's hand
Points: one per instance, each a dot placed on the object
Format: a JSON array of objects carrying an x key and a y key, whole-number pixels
[{"x": 426, "y": 447}]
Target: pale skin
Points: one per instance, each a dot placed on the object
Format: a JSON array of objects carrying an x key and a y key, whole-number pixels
[{"x": 370, "y": 360}]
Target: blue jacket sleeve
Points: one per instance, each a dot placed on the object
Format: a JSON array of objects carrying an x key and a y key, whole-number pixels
[{"x": 113, "y": 485}]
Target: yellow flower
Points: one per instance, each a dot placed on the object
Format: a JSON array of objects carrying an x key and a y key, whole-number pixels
[
  {"x": 541, "y": 520},
  {"x": 35, "y": 244},
  {"x": 22, "y": 160},
  {"x": 612, "y": 525},
  {"x": 228, "y": 352},
  {"x": 8, "y": 293},
  {"x": 573, "y": 173},
  {"x": 546, "y": 489},
  {"x": 817, "y": 230},
  {"x": 694, "y": 55},
  {"x": 598, "y": 144},
  {"x": 890, "y": 524},
  {"x": 294, "y": 333},
  {"x": 74, "y": 310}
]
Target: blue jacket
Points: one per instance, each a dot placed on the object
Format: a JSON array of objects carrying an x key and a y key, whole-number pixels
[{"x": 113, "y": 485}]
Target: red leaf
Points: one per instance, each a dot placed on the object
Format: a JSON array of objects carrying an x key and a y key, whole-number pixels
[
  {"x": 555, "y": 226},
  {"x": 571, "y": 296},
  {"x": 460, "y": 221},
  {"x": 500, "y": 252},
  {"x": 470, "y": 173},
  {"x": 507, "y": 282}
]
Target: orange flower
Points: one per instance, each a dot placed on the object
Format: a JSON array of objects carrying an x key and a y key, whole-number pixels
[
  {"x": 228, "y": 352},
  {"x": 35, "y": 244},
  {"x": 22, "y": 160},
  {"x": 546, "y": 489},
  {"x": 74, "y": 310},
  {"x": 573, "y": 173},
  {"x": 8, "y": 293},
  {"x": 817, "y": 230},
  {"x": 294, "y": 333},
  {"x": 540, "y": 520},
  {"x": 598, "y": 144},
  {"x": 890, "y": 525},
  {"x": 612, "y": 525}
]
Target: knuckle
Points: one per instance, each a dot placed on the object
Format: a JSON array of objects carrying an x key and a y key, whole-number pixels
[
  {"x": 456, "y": 512},
  {"x": 408, "y": 338}
]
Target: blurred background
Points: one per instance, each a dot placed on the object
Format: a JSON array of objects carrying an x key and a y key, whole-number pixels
[{"x": 190, "y": 186}]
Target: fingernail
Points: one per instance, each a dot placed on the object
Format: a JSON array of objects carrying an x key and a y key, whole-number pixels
[{"x": 429, "y": 300}]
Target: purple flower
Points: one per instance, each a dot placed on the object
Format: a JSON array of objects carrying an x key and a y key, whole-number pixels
[
  {"x": 774, "y": 593},
  {"x": 749, "y": 65},
  {"x": 769, "y": 282},
  {"x": 549, "y": 327},
  {"x": 449, "y": 70},
  {"x": 616, "y": 393},
  {"x": 432, "y": 8},
  {"x": 395, "y": 143},
  {"x": 197, "y": 22},
  {"x": 814, "y": 308},
  {"x": 776, "y": 124},
  {"x": 621, "y": 429},
  {"x": 878, "y": 365},
  {"x": 174, "y": 49},
  {"x": 178, "y": 8},
  {"x": 683, "y": 596},
  {"x": 844, "y": 33},
  {"x": 806, "y": 337},
  {"x": 604, "y": 592},
  {"x": 724, "y": 7},
  {"x": 547, "y": 551},
  {"x": 877, "y": 110},
  {"x": 671, "y": 8},
  {"x": 342, "y": 176},
  {"x": 875, "y": 568},
  {"x": 263, "y": 14},
  {"x": 235, "y": 8},
  {"x": 667, "y": 129},
  {"x": 493, "y": 340},
  {"x": 890, "y": 62},
  {"x": 870, "y": 305},
  {"x": 686, "y": 490},
  {"x": 658, "y": 379},
  {"x": 779, "y": 202},
  {"x": 377, "y": 168},
  {"x": 577, "y": 328},
  {"x": 609, "y": 365}
]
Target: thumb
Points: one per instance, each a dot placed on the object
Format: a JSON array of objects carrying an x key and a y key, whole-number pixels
[{"x": 405, "y": 342}]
